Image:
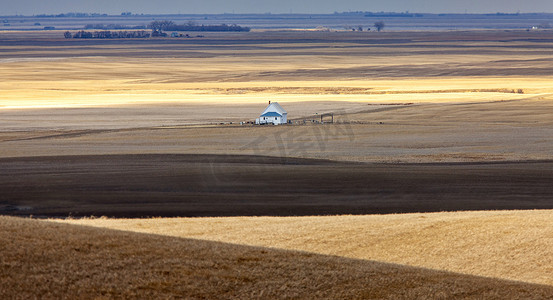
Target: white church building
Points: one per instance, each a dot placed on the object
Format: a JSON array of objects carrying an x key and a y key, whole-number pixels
[{"x": 273, "y": 114}]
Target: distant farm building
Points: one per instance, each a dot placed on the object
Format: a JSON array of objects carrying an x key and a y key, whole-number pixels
[{"x": 273, "y": 114}]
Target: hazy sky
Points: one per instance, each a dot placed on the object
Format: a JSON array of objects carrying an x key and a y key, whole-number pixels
[{"x": 30, "y": 7}]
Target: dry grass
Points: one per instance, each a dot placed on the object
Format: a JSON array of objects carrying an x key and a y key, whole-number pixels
[
  {"x": 460, "y": 85},
  {"x": 48, "y": 260},
  {"x": 248, "y": 68},
  {"x": 492, "y": 131},
  {"x": 513, "y": 245}
]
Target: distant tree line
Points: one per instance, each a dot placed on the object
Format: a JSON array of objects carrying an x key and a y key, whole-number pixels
[
  {"x": 107, "y": 34},
  {"x": 157, "y": 30},
  {"x": 393, "y": 15},
  {"x": 502, "y": 14},
  {"x": 112, "y": 26},
  {"x": 381, "y": 14},
  {"x": 161, "y": 26},
  {"x": 72, "y": 15},
  {"x": 222, "y": 27}
]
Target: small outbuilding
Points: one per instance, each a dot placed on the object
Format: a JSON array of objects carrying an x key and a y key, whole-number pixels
[{"x": 273, "y": 114}]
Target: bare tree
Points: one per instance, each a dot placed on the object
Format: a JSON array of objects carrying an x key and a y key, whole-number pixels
[
  {"x": 67, "y": 35},
  {"x": 379, "y": 25},
  {"x": 160, "y": 25},
  {"x": 154, "y": 25},
  {"x": 165, "y": 25}
]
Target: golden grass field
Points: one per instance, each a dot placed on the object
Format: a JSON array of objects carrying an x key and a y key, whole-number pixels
[
  {"x": 54, "y": 260},
  {"x": 399, "y": 99},
  {"x": 471, "y": 96},
  {"x": 513, "y": 245}
]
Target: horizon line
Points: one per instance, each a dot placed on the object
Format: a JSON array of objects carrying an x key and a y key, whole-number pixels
[{"x": 122, "y": 14}]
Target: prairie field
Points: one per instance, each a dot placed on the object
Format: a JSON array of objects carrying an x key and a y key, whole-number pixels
[
  {"x": 54, "y": 260},
  {"x": 144, "y": 177},
  {"x": 513, "y": 245},
  {"x": 403, "y": 96}
]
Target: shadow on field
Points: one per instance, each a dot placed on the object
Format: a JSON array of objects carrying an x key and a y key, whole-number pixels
[
  {"x": 53, "y": 260},
  {"x": 224, "y": 185}
]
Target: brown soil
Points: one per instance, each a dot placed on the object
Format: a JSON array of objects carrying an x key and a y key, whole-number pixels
[{"x": 210, "y": 185}]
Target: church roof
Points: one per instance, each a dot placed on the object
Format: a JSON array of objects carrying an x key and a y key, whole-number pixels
[
  {"x": 271, "y": 114},
  {"x": 274, "y": 107}
]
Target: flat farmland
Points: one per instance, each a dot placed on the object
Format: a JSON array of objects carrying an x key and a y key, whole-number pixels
[
  {"x": 203, "y": 185},
  {"x": 424, "y": 122},
  {"x": 398, "y": 96},
  {"x": 249, "y": 67}
]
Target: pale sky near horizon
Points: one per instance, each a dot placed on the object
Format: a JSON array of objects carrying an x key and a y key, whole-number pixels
[{"x": 33, "y": 7}]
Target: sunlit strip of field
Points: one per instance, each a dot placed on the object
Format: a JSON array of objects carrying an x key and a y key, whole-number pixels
[
  {"x": 513, "y": 245},
  {"x": 51, "y": 94}
]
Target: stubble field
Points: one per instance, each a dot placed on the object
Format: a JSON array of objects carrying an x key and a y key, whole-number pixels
[{"x": 424, "y": 122}]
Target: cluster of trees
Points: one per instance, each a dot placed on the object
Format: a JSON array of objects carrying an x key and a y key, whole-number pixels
[
  {"x": 107, "y": 34},
  {"x": 378, "y": 25},
  {"x": 358, "y": 28},
  {"x": 157, "y": 30},
  {"x": 112, "y": 26},
  {"x": 161, "y": 26}
]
